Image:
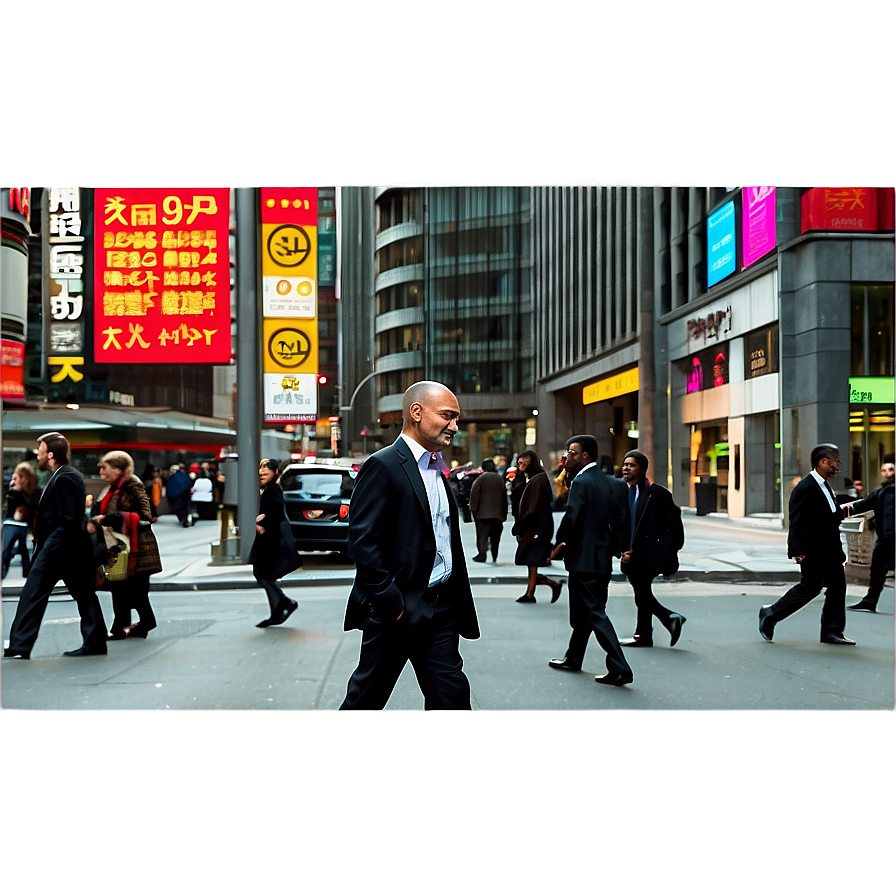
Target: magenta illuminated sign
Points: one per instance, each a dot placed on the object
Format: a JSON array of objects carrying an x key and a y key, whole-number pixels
[{"x": 758, "y": 223}]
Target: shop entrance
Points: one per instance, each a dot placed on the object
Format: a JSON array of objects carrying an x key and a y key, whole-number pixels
[
  {"x": 871, "y": 438},
  {"x": 709, "y": 467}
]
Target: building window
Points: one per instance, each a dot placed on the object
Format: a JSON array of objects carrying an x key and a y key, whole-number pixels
[{"x": 872, "y": 330}]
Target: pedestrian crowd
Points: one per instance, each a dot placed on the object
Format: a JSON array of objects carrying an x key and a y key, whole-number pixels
[{"x": 411, "y": 598}]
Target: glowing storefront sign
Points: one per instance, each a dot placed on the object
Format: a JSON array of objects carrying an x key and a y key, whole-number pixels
[
  {"x": 759, "y": 233},
  {"x": 611, "y": 386},
  {"x": 721, "y": 253},
  {"x": 162, "y": 276}
]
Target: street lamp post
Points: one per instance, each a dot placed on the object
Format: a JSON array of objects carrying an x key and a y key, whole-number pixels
[{"x": 346, "y": 410}]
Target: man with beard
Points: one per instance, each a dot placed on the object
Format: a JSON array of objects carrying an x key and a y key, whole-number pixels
[{"x": 62, "y": 551}]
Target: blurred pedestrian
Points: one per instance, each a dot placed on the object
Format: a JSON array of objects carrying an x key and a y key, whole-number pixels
[
  {"x": 148, "y": 478},
  {"x": 589, "y": 536},
  {"x": 411, "y": 597},
  {"x": 202, "y": 494},
  {"x": 882, "y": 557},
  {"x": 521, "y": 475},
  {"x": 652, "y": 543},
  {"x": 814, "y": 542},
  {"x": 273, "y": 553},
  {"x": 488, "y": 504},
  {"x": 534, "y": 527},
  {"x": 18, "y": 520},
  {"x": 125, "y": 507},
  {"x": 178, "y": 492},
  {"x": 62, "y": 551}
]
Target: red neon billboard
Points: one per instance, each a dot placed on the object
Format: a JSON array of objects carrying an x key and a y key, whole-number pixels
[{"x": 162, "y": 276}]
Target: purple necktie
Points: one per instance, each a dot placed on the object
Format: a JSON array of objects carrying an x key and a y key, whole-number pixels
[{"x": 436, "y": 462}]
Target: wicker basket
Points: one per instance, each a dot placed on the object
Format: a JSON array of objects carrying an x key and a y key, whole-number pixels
[{"x": 859, "y": 540}]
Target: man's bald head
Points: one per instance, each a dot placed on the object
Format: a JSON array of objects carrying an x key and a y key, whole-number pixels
[
  {"x": 426, "y": 392},
  {"x": 429, "y": 414}
]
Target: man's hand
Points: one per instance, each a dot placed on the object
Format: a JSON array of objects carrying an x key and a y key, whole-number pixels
[
  {"x": 800, "y": 558},
  {"x": 625, "y": 558}
]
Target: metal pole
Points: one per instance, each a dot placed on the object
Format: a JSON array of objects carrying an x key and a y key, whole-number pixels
[{"x": 248, "y": 378}]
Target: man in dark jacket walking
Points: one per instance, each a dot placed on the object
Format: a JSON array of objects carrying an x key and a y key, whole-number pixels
[
  {"x": 654, "y": 540},
  {"x": 589, "y": 536},
  {"x": 814, "y": 542},
  {"x": 488, "y": 503},
  {"x": 62, "y": 551},
  {"x": 881, "y": 502}
]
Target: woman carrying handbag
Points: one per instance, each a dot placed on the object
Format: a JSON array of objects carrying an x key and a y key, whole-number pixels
[
  {"x": 273, "y": 553},
  {"x": 126, "y": 508}
]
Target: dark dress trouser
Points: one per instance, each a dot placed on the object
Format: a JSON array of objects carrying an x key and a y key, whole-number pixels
[
  {"x": 46, "y": 571},
  {"x": 588, "y": 593},
  {"x": 881, "y": 562},
  {"x": 488, "y": 530},
  {"x": 433, "y": 648},
  {"x": 647, "y": 605},
  {"x": 817, "y": 573}
]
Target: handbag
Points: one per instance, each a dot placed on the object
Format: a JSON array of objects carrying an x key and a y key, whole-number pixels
[
  {"x": 117, "y": 565},
  {"x": 288, "y": 558}
]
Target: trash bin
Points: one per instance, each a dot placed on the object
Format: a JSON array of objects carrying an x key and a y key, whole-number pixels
[
  {"x": 859, "y": 540},
  {"x": 706, "y": 495}
]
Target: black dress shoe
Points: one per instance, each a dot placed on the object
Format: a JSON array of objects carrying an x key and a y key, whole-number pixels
[
  {"x": 864, "y": 605},
  {"x": 266, "y": 622},
  {"x": 836, "y": 639},
  {"x": 526, "y": 599},
  {"x": 140, "y": 629},
  {"x": 117, "y": 634},
  {"x": 676, "y": 621},
  {"x": 569, "y": 665},
  {"x": 10, "y": 653},
  {"x": 636, "y": 642},
  {"x": 556, "y": 588},
  {"x": 479, "y": 558},
  {"x": 766, "y": 626},
  {"x": 615, "y": 678},
  {"x": 284, "y": 612},
  {"x": 84, "y": 650}
]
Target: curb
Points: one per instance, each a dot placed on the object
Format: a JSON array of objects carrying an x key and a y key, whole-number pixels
[{"x": 691, "y": 576}]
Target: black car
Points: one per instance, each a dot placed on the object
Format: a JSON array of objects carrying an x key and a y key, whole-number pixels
[{"x": 317, "y": 500}]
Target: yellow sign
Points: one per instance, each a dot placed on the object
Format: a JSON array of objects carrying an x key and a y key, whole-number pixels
[
  {"x": 289, "y": 346},
  {"x": 611, "y": 386},
  {"x": 289, "y": 250}
]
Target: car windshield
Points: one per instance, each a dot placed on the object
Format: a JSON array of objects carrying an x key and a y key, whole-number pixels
[{"x": 314, "y": 484}]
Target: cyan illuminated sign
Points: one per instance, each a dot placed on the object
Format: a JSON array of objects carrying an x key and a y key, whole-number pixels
[{"x": 721, "y": 252}]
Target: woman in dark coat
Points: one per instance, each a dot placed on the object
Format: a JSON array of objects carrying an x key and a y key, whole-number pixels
[
  {"x": 273, "y": 553},
  {"x": 126, "y": 495},
  {"x": 21, "y": 509},
  {"x": 534, "y": 527}
]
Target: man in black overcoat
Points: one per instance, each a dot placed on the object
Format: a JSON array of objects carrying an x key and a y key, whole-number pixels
[
  {"x": 411, "y": 596},
  {"x": 589, "y": 536},
  {"x": 63, "y": 551},
  {"x": 882, "y": 557},
  {"x": 814, "y": 542},
  {"x": 656, "y": 536}
]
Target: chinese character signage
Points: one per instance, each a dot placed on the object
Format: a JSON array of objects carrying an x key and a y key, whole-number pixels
[
  {"x": 758, "y": 222},
  {"x": 721, "y": 254},
  {"x": 840, "y": 208},
  {"x": 289, "y": 280},
  {"x": 64, "y": 311},
  {"x": 162, "y": 276}
]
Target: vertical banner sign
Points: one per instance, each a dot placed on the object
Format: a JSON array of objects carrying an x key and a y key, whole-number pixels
[
  {"x": 289, "y": 253},
  {"x": 162, "y": 276},
  {"x": 758, "y": 222},
  {"x": 65, "y": 333},
  {"x": 721, "y": 255},
  {"x": 12, "y": 371}
]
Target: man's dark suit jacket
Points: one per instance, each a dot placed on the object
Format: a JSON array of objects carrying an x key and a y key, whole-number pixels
[
  {"x": 881, "y": 502},
  {"x": 659, "y": 533},
  {"x": 595, "y": 524},
  {"x": 391, "y": 540},
  {"x": 814, "y": 528},
  {"x": 59, "y": 527}
]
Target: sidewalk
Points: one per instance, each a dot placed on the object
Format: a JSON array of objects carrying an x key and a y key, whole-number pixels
[{"x": 716, "y": 549}]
